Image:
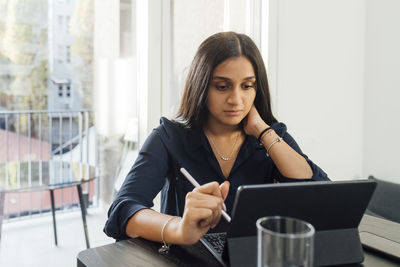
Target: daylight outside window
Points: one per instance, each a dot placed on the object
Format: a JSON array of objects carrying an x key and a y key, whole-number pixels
[{"x": 46, "y": 59}]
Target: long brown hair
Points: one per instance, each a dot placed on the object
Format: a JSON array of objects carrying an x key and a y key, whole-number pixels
[{"x": 212, "y": 52}]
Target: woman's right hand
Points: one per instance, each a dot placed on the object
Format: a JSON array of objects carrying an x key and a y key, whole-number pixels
[{"x": 202, "y": 211}]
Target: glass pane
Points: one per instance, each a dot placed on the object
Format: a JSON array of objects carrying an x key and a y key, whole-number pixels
[
  {"x": 45, "y": 45},
  {"x": 194, "y": 21},
  {"x": 46, "y": 59}
]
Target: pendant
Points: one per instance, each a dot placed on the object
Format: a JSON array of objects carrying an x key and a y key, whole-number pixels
[
  {"x": 226, "y": 159},
  {"x": 164, "y": 249}
]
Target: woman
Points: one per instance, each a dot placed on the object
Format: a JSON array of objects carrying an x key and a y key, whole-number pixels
[{"x": 225, "y": 135}]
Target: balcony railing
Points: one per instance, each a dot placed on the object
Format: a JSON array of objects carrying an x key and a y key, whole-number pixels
[{"x": 36, "y": 143}]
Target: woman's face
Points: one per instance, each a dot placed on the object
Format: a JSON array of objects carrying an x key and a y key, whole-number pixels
[{"x": 232, "y": 91}]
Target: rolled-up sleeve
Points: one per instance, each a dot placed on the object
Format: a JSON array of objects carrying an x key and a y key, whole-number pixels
[
  {"x": 144, "y": 181},
  {"x": 318, "y": 173}
]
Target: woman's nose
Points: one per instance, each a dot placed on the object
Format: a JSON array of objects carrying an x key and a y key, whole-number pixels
[{"x": 235, "y": 96}]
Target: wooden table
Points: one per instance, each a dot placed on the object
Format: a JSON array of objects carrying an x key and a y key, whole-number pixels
[{"x": 140, "y": 252}]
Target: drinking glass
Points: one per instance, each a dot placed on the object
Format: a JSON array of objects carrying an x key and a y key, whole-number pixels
[{"x": 284, "y": 242}]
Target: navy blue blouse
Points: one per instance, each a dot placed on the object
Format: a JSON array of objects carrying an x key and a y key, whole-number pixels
[{"x": 170, "y": 147}]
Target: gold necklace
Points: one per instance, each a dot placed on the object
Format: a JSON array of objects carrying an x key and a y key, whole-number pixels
[{"x": 216, "y": 149}]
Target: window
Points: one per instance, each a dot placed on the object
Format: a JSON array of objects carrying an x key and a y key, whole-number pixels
[
  {"x": 181, "y": 45},
  {"x": 60, "y": 23},
  {"x": 60, "y": 90},
  {"x": 60, "y": 54},
  {"x": 68, "y": 54},
  {"x": 36, "y": 45},
  {"x": 67, "y": 20},
  {"x": 68, "y": 93}
]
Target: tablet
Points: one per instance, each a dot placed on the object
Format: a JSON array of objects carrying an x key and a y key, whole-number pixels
[{"x": 334, "y": 209}]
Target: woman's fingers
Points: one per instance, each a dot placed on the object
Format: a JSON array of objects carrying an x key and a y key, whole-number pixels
[
  {"x": 202, "y": 216},
  {"x": 210, "y": 189},
  {"x": 209, "y": 197},
  {"x": 254, "y": 122},
  {"x": 215, "y": 189},
  {"x": 194, "y": 224},
  {"x": 199, "y": 200},
  {"x": 224, "y": 188}
]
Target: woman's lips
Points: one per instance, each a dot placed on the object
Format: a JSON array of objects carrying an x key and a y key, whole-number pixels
[{"x": 232, "y": 112}]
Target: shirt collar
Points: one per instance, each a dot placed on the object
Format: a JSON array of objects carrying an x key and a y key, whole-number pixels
[{"x": 197, "y": 138}]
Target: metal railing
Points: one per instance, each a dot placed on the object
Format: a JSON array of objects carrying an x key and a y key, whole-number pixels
[{"x": 35, "y": 142}]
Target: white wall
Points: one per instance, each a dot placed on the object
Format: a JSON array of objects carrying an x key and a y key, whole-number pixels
[
  {"x": 320, "y": 80},
  {"x": 382, "y": 90}
]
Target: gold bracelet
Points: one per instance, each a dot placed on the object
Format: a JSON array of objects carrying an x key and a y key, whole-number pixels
[
  {"x": 273, "y": 143},
  {"x": 165, "y": 247}
]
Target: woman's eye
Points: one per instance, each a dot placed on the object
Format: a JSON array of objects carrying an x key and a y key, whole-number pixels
[
  {"x": 222, "y": 87},
  {"x": 248, "y": 86}
]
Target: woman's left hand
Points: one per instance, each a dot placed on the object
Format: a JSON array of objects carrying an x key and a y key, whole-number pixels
[{"x": 253, "y": 124}]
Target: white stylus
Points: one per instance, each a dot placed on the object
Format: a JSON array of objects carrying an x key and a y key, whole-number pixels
[{"x": 196, "y": 184}]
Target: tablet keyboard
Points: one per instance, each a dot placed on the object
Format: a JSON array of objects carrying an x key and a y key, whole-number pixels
[{"x": 216, "y": 240}]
